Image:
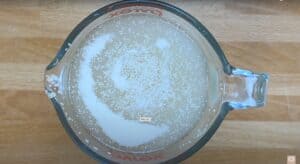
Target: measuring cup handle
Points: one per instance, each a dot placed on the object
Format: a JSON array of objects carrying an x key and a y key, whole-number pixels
[{"x": 245, "y": 89}]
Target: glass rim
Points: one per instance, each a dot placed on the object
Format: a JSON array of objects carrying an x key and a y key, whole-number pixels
[{"x": 227, "y": 68}]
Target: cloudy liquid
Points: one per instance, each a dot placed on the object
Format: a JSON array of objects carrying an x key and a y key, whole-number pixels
[{"x": 139, "y": 83}]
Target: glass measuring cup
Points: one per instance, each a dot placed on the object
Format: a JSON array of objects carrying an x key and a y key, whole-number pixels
[{"x": 228, "y": 87}]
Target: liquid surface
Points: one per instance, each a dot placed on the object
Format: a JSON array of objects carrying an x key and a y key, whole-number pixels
[{"x": 139, "y": 83}]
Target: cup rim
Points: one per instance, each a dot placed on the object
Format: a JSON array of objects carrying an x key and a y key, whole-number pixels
[{"x": 227, "y": 68}]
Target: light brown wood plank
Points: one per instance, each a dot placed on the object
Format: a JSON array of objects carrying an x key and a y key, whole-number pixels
[
  {"x": 19, "y": 22},
  {"x": 241, "y": 156},
  {"x": 278, "y": 108},
  {"x": 21, "y": 76},
  {"x": 284, "y": 84},
  {"x": 38, "y": 112},
  {"x": 50, "y": 20},
  {"x": 275, "y": 110},
  {"x": 229, "y": 7},
  {"x": 36, "y": 127},
  {"x": 30, "y": 131},
  {"x": 275, "y": 58},
  {"x": 293, "y": 107},
  {"x": 283, "y": 80},
  {"x": 258, "y": 135},
  {"x": 28, "y": 50},
  {"x": 30, "y": 77},
  {"x": 273, "y": 28}
]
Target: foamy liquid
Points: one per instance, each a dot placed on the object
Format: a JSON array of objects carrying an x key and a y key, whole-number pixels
[{"x": 139, "y": 82}]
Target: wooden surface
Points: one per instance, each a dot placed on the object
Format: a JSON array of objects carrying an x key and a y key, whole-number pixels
[{"x": 256, "y": 35}]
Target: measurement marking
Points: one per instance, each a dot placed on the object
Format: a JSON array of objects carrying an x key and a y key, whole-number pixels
[{"x": 145, "y": 119}]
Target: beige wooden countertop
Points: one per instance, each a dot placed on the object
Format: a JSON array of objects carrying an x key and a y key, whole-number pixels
[{"x": 256, "y": 35}]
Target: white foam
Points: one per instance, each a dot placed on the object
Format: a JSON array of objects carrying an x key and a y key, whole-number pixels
[
  {"x": 162, "y": 43},
  {"x": 144, "y": 88},
  {"x": 53, "y": 79},
  {"x": 119, "y": 81},
  {"x": 52, "y": 82},
  {"x": 124, "y": 132},
  {"x": 148, "y": 84}
]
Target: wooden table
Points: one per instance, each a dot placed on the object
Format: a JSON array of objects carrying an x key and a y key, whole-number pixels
[{"x": 256, "y": 35}]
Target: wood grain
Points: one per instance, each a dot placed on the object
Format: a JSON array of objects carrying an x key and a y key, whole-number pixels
[{"x": 256, "y": 35}]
